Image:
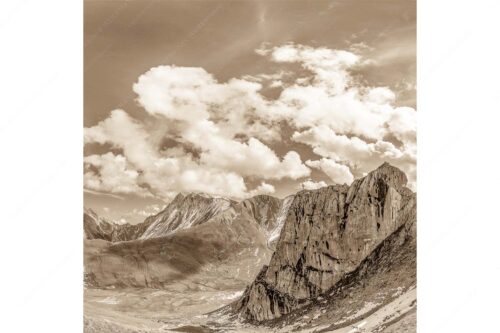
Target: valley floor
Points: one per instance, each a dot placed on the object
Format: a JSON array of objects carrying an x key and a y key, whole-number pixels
[
  {"x": 148, "y": 310},
  {"x": 175, "y": 310}
]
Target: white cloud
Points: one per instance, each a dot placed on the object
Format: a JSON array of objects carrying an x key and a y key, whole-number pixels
[
  {"x": 329, "y": 66},
  {"x": 177, "y": 93},
  {"x": 273, "y": 78},
  {"x": 147, "y": 211},
  {"x": 114, "y": 175},
  {"x": 359, "y": 155},
  {"x": 163, "y": 173},
  {"x": 220, "y": 169},
  {"x": 122, "y": 131},
  {"x": 337, "y": 172},
  {"x": 224, "y": 131},
  {"x": 263, "y": 188},
  {"x": 252, "y": 158},
  {"x": 342, "y": 120},
  {"x": 312, "y": 185},
  {"x": 330, "y": 96},
  {"x": 191, "y": 95}
]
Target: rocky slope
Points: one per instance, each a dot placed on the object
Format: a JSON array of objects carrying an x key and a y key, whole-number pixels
[
  {"x": 268, "y": 212},
  {"x": 327, "y": 234},
  {"x": 194, "y": 235},
  {"x": 186, "y": 211},
  {"x": 215, "y": 253},
  {"x": 96, "y": 227}
]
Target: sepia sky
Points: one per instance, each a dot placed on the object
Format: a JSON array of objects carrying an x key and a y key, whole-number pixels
[{"x": 238, "y": 98}]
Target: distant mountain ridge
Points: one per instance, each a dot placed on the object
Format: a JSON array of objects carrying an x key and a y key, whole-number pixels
[
  {"x": 186, "y": 211},
  {"x": 319, "y": 254},
  {"x": 194, "y": 231},
  {"x": 96, "y": 227},
  {"x": 190, "y": 210}
]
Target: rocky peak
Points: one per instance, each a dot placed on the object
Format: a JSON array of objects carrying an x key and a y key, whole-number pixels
[
  {"x": 178, "y": 198},
  {"x": 327, "y": 233},
  {"x": 390, "y": 175},
  {"x": 186, "y": 211}
]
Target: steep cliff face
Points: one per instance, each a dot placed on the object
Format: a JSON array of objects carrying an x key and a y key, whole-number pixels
[
  {"x": 186, "y": 211},
  {"x": 385, "y": 279},
  {"x": 327, "y": 234}
]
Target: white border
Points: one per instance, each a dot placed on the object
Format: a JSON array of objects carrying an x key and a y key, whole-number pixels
[
  {"x": 458, "y": 224},
  {"x": 41, "y": 166}
]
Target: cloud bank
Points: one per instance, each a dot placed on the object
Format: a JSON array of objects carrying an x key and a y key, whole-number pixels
[{"x": 218, "y": 137}]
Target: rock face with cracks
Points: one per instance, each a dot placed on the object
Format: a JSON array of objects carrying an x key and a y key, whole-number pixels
[{"x": 327, "y": 234}]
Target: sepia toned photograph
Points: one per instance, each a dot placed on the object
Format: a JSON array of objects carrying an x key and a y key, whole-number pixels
[{"x": 249, "y": 166}]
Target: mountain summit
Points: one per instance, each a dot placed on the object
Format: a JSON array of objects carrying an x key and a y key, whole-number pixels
[{"x": 186, "y": 211}]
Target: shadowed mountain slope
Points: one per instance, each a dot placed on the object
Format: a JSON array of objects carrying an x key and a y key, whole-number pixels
[
  {"x": 159, "y": 261},
  {"x": 193, "y": 233}
]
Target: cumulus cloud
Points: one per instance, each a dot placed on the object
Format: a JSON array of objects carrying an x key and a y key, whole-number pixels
[
  {"x": 263, "y": 188},
  {"x": 189, "y": 96},
  {"x": 329, "y": 95},
  {"x": 114, "y": 175},
  {"x": 359, "y": 155},
  {"x": 252, "y": 158},
  {"x": 162, "y": 173},
  {"x": 312, "y": 185},
  {"x": 354, "y": 126},
  {"x": 337, "y": 172},
  {"x": 329, "y": 66},
  {"x": 206, "y": 119},
  {"x": 226, "y": 133},
  {"x": 122, "y": 131}
]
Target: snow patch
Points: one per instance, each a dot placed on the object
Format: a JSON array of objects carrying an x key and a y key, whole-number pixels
[{"x": 280, "y": 220}]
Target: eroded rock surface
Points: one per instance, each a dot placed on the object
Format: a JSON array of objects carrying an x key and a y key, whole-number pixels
[
  {"x": 96, "y": 227},
  {"x": 268, "y": 212},
  {"x": 187, "y": 211},
  {"x": 327, "y": 234}
]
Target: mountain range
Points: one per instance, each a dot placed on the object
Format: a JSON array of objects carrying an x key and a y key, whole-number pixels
[
  {"x": 192, "y": 231},
  {"x": 311, "y": 260}
]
